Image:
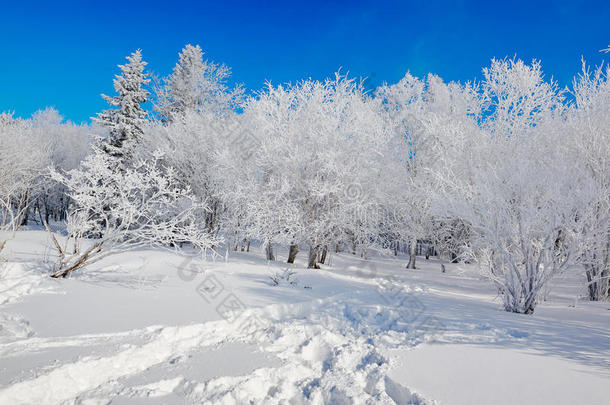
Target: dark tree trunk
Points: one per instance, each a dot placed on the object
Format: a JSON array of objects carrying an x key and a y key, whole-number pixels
[
  {"x": 292, "y": 253},
  {"x": 323, "y": 256},
  {"x": 25, "y": 218},
  {"x": 46, "y": 213},
  {"x": 313, "y": 255},
  {"x": 592, "y": 286},
  {"x": 597, "y": 283}
]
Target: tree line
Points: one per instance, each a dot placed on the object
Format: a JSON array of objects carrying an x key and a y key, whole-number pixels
[{"x": 511, "y": 172}]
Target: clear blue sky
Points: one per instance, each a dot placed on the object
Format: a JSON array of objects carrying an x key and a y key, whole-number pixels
[{"x": 64, "y": 54}]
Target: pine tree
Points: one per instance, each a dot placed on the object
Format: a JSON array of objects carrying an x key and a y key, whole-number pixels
[
  {"x": 126, "y": 118},
  {"x": 196, "y": 85},
  {"x": 183, "y": 85}
]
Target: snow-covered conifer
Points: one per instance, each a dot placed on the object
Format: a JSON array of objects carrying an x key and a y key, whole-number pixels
[
  {"x": 196, "y": 85},
  {"x": 126, "y": 118}
]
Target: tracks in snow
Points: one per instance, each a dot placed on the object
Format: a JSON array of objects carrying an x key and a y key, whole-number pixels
[{"x": 329, "y": 352}]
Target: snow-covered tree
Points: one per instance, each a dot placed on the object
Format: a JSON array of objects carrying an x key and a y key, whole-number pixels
[
  {"x": 196, "y": 85},
  {"x": 28, "y": 148},
  {"x": 68, "y": 144},
  {"x": 318, "y": 143},
  {"x": 24, "y": 157},
  {"x": 198, "y": 125},
  {"x": 515, "y": 191},
  {"x": 126, "y": 118},
  {"x": 520, "y": 208},
  {"x": 589, "y": 128},
  {"x": 430, "y": 119}
]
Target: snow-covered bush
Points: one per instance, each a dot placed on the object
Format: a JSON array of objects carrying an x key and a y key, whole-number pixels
[
  {"x": 286, "y": 276},
  {"x": 523, "y": 219},
  {"x": 122, "y": 208}
]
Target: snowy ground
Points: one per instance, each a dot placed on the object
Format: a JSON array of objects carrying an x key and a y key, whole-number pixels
[{"x": 153, "y": 327}]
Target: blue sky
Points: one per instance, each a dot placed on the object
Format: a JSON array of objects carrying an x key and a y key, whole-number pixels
[{"x": 64, "y": 54}]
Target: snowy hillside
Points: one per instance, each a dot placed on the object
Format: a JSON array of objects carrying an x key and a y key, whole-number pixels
[{"x": 150, "y": 326}]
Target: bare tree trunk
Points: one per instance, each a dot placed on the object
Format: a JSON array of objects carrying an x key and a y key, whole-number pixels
[
  {"x": 597, "y": 269},
  {"x": 592, "y": 285},
  {"x": 313, "y": 254},
  {"x": 24, "y": 220},
  {"x": 269, "y": 251},
  {"x": 248, "y": 246},
  {"x": 292, "y": 253},
  {"x": 412, "y": 254},
  {"x": 597, "y": 282},
  {"x": 23, "y": 208},
  {"x": 323, "y": 256},
  {"x": 46, "y": 213}
]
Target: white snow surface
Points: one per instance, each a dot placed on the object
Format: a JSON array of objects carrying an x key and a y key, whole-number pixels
[{"x": 153, "y": 327}]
